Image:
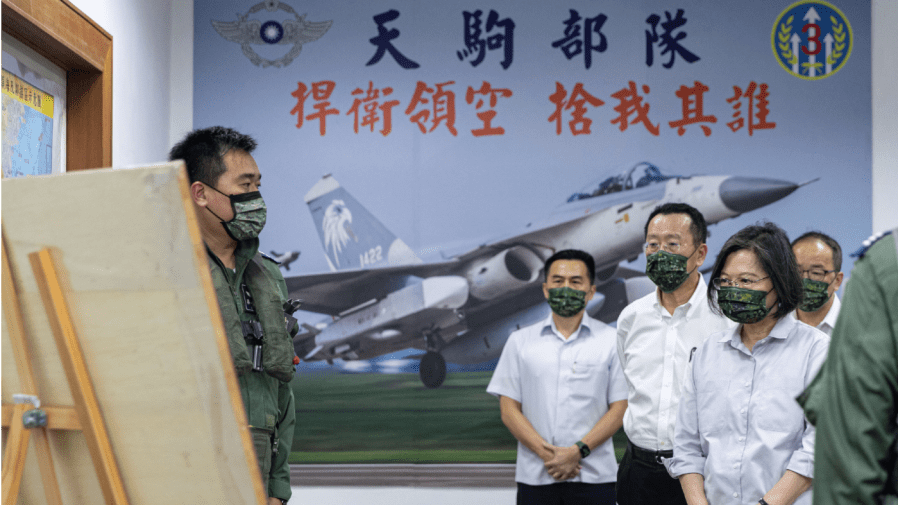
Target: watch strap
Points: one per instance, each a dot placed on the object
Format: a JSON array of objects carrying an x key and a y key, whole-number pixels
[{"x": 584, "y": 449}]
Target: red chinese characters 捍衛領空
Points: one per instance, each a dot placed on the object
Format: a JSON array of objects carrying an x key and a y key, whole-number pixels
[
  {"x": 442, "y": 108},
  {"x": 369, "y": 101},
  {"x": 321, "y": 92}
]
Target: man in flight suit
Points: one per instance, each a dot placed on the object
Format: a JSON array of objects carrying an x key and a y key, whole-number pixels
[
  {"x": 224, "y": 187},
  {"x": 853, "y": 401}
]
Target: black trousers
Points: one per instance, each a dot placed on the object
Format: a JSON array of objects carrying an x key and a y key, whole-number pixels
[
  {"x": 643, "y": 480},
  {"x": 566, "y": 493}
]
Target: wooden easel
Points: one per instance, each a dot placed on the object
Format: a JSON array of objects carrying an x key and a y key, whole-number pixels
[
  {"x": 85, "y": 416},
  {"x": 109, "y": 298}
]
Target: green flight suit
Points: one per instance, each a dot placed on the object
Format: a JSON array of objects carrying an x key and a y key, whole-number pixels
[
  {"x": 268, "y": 401},
  {"x": 853, "y": 401}
]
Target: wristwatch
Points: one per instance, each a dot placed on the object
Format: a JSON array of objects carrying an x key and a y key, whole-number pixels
[
  {"x": 584, "y": 449},
  {"x": 762, "y": 501}
]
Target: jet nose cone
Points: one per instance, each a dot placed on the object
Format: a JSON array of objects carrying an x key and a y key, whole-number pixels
[{"x": 742, "y": 194}]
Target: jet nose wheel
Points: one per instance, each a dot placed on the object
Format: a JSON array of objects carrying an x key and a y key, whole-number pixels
[{"x": 432, "y": 369}]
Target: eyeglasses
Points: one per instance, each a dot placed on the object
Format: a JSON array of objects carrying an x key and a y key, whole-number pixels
[
  {"x": 653, "y": 247},
  {"x": 816, "y": 274},
  {"x": 736, "y": 283}
]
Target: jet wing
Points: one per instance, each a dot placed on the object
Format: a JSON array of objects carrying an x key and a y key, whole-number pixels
[
  {"x": 570, "y": 215},
  {"x": 531, "y": 236},
  {"x": 335, "y": 292}
]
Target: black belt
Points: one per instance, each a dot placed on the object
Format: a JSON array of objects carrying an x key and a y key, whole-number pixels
[{"x": 647, "y": 456}]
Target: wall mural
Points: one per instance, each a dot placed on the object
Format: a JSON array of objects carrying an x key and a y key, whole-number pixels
[{"x": 425, "y": 158}]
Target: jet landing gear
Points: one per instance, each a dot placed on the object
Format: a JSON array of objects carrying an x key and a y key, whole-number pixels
[{"x": 433, "y": 369}]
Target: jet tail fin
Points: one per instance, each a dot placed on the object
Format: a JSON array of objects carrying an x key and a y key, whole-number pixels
[{"x": 351, "y": 236}]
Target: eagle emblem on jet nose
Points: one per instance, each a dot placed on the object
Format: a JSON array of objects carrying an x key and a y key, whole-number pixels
[
  {"x": 248, "y": 32},
  {"x": 337, "y": 228}
]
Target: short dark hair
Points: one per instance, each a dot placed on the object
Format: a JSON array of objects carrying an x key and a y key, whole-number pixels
[
  {"x": 203, "y": 150},
  {"x": 829, "y": 241},
  {"x": 698, "y": 228},
  {"x": 573, "y": 254},
  {"x": 771, "y": 246}
]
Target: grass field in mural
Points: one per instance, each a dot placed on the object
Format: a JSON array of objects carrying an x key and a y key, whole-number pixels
[{"x": 379, "y": 418}]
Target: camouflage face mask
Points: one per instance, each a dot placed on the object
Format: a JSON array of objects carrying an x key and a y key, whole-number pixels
[
  {"x": 249, "y": 215},
  {"x": 667, "y": 270},
  {"x": 566, "y": 302},
  {"x": 745, "y": 306},
  {"x": 815, "y": 295}
]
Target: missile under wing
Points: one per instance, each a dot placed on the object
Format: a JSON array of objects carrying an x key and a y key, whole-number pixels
[{"x": 383, "y": 298}]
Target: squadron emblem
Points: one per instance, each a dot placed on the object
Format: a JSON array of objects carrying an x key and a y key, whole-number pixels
[
  {"x": 812, "y": 39},
  {"x": 337, "y": 226},
  {"x": 248, "y": 32}
]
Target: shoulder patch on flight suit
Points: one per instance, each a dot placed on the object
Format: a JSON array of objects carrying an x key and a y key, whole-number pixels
[
  {"x": 867, "y": 244},
  {"x": 270, "y": 258}
]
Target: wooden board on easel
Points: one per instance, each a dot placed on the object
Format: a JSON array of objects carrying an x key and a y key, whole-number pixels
[{"x": 132, "y": 270}]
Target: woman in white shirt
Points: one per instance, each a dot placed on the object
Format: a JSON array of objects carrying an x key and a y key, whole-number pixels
[{"x": 740, "y": 435}]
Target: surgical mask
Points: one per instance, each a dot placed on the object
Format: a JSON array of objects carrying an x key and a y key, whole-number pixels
[
  {"x": 815, "y": 295},
  {"x": 745, "y": 306},
  {"x": 566, "y": 302},
  {"x": 667, "y": 270},
  {"x": 249, "y": 215}
]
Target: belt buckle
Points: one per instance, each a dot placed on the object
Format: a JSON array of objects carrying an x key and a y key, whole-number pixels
[{"x": 658, "y": 459}]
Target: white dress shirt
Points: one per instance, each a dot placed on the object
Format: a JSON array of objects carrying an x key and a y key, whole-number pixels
[
  {"x": 654, "y": 348},
  {"x": 564, "y": 387},
  {"x": 739, "y": 424}
]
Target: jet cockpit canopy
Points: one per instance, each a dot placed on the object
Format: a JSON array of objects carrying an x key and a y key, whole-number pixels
[{"x": 640, "y": 175}]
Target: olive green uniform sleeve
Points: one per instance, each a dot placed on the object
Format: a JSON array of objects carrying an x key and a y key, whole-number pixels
[{"x": 853, "y": 399}]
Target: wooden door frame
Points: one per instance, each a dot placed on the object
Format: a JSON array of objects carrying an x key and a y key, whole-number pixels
[{"x": 63, "y": 34}]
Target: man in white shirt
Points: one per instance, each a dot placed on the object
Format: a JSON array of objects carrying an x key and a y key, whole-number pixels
[
  {"x": 562, "y": 393},
  {"x": 656, "y": 336},
  {"x": 819, "y": 258}
]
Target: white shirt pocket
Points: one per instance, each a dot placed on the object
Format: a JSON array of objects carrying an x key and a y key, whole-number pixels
[
  {"x": 776, "y": 408},
  {"x": 586, "y": 380}
]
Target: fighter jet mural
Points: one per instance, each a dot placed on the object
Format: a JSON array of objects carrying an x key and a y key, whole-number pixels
[{"x": 383, "y": 298}]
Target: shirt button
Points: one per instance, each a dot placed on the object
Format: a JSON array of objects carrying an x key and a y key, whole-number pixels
[
  {"x": 735, "y": 465},
  {"x": 742, "y": 439},
  {"x": 747, "y": 384},
  {"x": 735, "y": 495},
  {"x": 742, "y": 411}
]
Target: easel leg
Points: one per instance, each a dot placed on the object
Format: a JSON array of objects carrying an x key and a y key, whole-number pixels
[
  {"x": 12, "y": 312},
  {"x": 14, "y": 459},
  {"x": 78, "y": 377},
  {"x": 45, "y": 462}
]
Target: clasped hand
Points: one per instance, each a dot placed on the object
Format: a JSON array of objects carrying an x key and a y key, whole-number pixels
[{"x": 562, "y": 463}]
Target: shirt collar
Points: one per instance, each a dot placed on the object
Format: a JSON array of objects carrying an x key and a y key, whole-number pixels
[
  {"x": 701, "y": 291},
  {"x": 783, "y": 327},
  {"x": 780, "y": 330},
  {"x": 833, "y": 313},
  {"x": 244, "y": 253},
  {"x": 831, "y": 316},
  {"x": 549, "y": 327}
]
